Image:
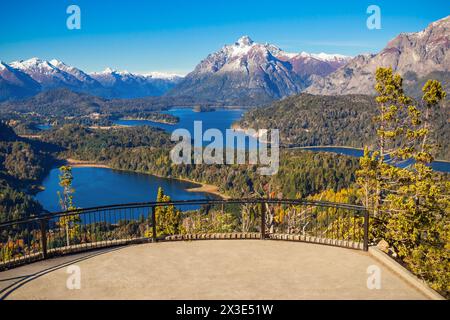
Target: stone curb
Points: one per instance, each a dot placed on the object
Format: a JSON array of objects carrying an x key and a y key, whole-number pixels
[{"x": 404, "y": 273}]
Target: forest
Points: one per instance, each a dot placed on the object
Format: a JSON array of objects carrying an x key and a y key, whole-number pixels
[
  {"x": 22, "y": 165},
  {"x": 311, "y": 120}
]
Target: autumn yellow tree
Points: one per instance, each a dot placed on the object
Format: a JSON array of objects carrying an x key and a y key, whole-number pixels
[{"x": 168, "y": 218}]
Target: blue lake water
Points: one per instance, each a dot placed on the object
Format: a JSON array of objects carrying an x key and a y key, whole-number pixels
[
  {"x": 442, "y": 166},
  {"x": 220, "y": 119},
  {"x": 44, "y": 127},
  {"x": 102, "y": 186}
]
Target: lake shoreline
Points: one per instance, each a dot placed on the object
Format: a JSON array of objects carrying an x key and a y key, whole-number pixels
[
  {"x": 202, "y": 187},
  {"x": 309, "y": 148}
]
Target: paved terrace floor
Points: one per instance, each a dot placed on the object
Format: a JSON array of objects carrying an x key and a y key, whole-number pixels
[{"x": 227, "y": 269}]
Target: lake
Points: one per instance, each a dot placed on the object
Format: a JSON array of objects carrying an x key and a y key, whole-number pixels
[
  {"x": 44, "y": 127},
  {"x": 442, "y": 166},
  {"x": 220, "y": 119},
  {"x": 102, "y": 186}
]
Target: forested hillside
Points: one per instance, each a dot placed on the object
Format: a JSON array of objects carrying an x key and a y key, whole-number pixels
[
  {"x": 66, "y": 103},
  {"x": 145, "y": 149},
  {"x": 22, "y": 164},
  {"x": 310, "y": 120}
]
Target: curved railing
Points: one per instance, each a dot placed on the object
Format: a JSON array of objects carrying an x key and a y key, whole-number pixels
[{"x": 50, "y": 234}]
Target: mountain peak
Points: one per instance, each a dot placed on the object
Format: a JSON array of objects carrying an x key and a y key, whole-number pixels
[
  {"x": 254, "y": 71},
  {"x": 108, "y": 70},
  {"x": 33, "y": 63},
  {"x": 57, "y": 63},
  {"x": 33, "y": 59},
  {"x": 245, "y": 41}
]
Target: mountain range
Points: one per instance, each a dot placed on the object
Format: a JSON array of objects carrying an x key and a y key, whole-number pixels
[
  {"x": 25, "y": 78},
  {"x": 247, "y": 72}
]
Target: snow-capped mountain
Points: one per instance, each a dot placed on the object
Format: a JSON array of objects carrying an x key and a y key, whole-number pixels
[
  {"x": 124, "y": 84},
  {"x": 15, "y": 84},
  {"x": 254, "y": 71},
  {"x": 46, "y": 74},
  {"x": 237, "y": 72},
  {"x": 80, "y": 75},
  {"x": 413, "y": 55},
  {"x": 27, "y": 77}
]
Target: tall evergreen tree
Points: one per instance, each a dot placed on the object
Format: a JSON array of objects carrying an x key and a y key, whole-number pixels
[
  {"x": 70, "y": 222},
  {"x": 411, "y": 205}
]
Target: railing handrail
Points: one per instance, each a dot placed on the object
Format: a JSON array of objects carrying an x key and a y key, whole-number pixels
[{"x": 360, "y": 210}]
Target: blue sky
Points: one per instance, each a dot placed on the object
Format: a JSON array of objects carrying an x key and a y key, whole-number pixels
[{"x": 174, "y": 35}]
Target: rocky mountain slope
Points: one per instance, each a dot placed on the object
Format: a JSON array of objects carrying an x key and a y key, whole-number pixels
[
  {"x": 413, "y": 55},
  {"x": 251, "y": 71},
  {"x": 16, "y": 84}
]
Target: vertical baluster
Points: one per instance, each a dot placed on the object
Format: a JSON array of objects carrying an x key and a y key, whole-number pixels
[
  {"x": 366, "y": 230},
  {"x": 154, "y": 224},
  {"x": 263, "y": 221},
  {"x": 43, "y": 223}
]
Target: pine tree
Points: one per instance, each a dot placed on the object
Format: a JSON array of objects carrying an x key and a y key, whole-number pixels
[
  {"x": 391, "y": 102},
  {"x": 419, "y": 225},
  {"x": 69, "y": 222},
  {"x": 411, "y": 204}
]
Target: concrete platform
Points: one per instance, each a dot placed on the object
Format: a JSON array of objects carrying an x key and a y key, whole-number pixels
[{"x": 220, "y": 269}]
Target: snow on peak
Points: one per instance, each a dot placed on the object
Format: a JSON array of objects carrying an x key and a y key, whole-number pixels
[
  {"x": 244, "y": 41},
  {"x": 57, "y": 63},
  {"x": 329, "y": 57},
  {"x": 162, "y": 75},
  {"x": 33, "y": 64},
  {"x": 243, "y": 46},
  {"x": 124, "y": 73},
  {"x": 152, "y": 74},
  {"x": 34, "y": 60},
  {"x": 108, "y": 70},
  {"x": 289, "y": 55},
  {"x": 324, "y": 56}
]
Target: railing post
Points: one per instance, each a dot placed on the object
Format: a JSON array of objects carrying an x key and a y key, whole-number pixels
[
  {"x": 263, "y": 221},
  {"x": 366, "y": 230},
  {"x": 153, "y": 224},
  {"x": 43, "y": 223}
]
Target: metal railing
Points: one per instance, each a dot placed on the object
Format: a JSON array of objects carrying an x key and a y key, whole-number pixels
[{"x": 39, "y": 237}]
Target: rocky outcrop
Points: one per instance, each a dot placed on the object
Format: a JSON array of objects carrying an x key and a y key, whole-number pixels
[{"x": 413, "y": 55}]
